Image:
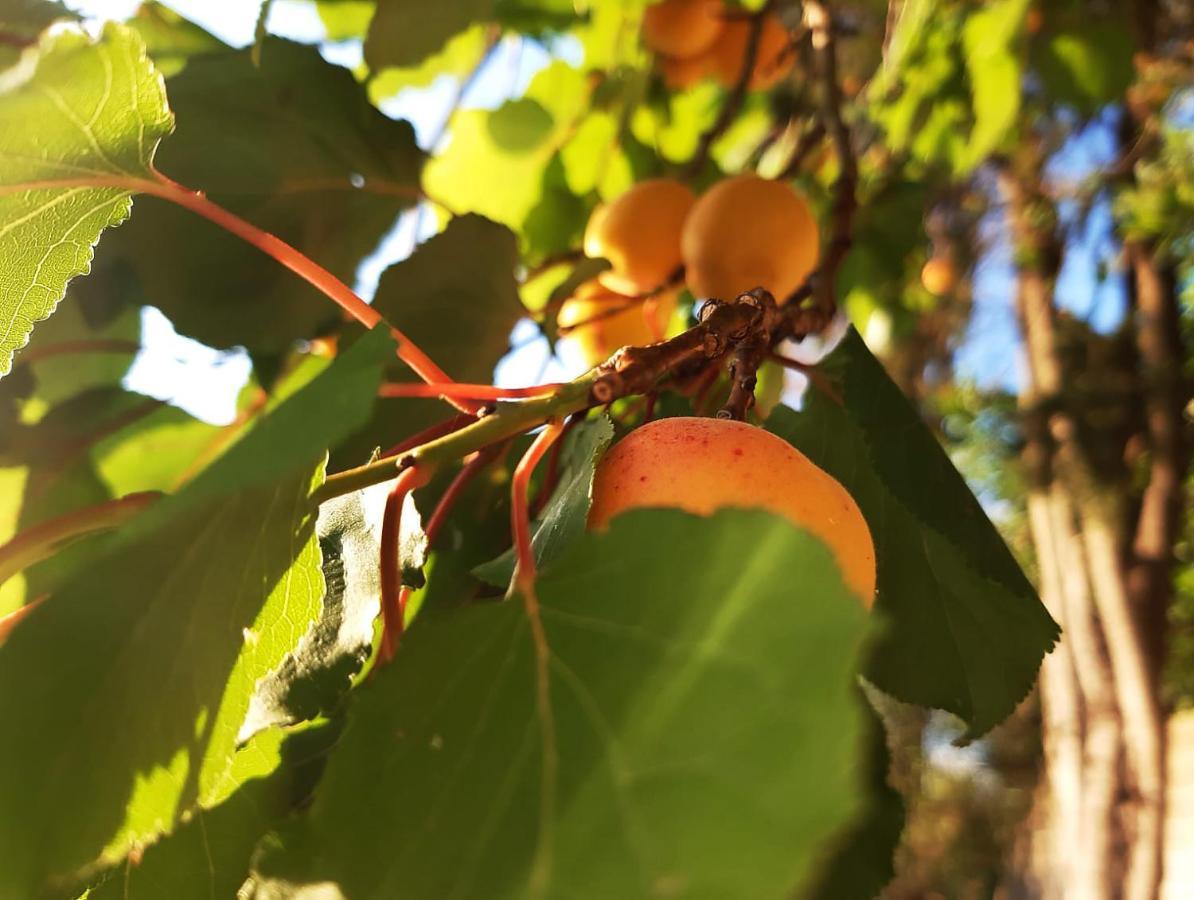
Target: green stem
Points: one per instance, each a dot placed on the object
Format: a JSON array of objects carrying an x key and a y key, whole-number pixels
[{"x": 510, "y": 419}]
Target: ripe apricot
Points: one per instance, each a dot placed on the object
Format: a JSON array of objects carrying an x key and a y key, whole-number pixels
[
  {"x": 748, "y": 232},
  {"x": 679, "y": 74},
  {"x": 682, "y": 28},
  {"x": 701, "y": 465},
  {"x": 938, "y": 276},
  {"x": 639, "y": 233},
  {"x": 773, "y": 57},
  {"x": 596, "y": 330}
]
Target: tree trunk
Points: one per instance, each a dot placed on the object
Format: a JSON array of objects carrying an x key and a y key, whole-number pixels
[{"x": 1105, "y": 582}]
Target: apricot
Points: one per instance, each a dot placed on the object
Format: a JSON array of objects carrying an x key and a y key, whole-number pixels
[
  {"x": 682, "y": 28},
  {"x": 679, "y": 74},
  {"x": 773, "y": 58},
  {"x": 701, "y": 465},
  {"x": 748, "y": 232},
  {"x": 639, "y": 233},
  {"x": 938, "y": 276},
  {"x": 595, "y": 333}
]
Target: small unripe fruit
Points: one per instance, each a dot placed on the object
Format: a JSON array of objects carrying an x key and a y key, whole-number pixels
[
  {"x": 701, "y": 465},
  {"x": 595, "y": 330},
  {"x": 938, "y": 276},
  {"x": 747, "y": 232},
  {"x": 639, "y": 233},
  {"x": 682, "y": 28},
  {"x": 773, "y": 57}
]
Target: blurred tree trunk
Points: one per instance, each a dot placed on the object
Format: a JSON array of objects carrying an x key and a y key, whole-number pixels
[{"x": 1105, "y": 553}]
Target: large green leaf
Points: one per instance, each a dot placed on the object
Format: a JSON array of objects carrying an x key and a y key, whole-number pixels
[
  {"x": 130, "y": 684},
  {"x": 295, "y": 147},
  {"x": 967, "y": 630},
  {"x": 208, "y": 855},
  {"x": 76, "y": 110},
  {"x": 703, "y": 718}
]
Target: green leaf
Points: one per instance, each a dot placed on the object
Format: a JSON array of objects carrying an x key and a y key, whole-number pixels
[
  {"x": 989, "y": 43},
  {"x": 295, "y": 147},
  {"x": 456, "y": 296},
  {"x": 21, "y": 21},
  {"x": 520, "y": 125},
  {"x": 170, "y": 39},
  {"x": 563, "y": 519},
  {"x": 317, "y": 673},
  {"x": 1088, "y": 65},
  {"x": 405, "y": 32},
  {"x": 704, "y": 721},
  {"x": 100, "y": 111},
  {"x": 209, "y": 854},
  {"x": 475, "y": 173},
  {"x": 131, "y": 683},
  {"x": 460, "y": 56},
  {"x": 967, "y": 631}
]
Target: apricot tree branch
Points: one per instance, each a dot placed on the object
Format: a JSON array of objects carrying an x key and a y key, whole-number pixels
[
  {"x": 820, "y": 25},
  {"x": 744, "y": 368},
  {"x": 723, "y": 328}
]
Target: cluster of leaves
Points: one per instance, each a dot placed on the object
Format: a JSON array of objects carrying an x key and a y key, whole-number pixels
[{"x": 195, "y": 699}]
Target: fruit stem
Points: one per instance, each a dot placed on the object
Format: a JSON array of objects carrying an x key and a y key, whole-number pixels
[
  {"x": 310, "y": 271},
  {"x": 43, "y": 540},
  {"x": 70, "y": 348},
  {"x": 393, "y": 592}
]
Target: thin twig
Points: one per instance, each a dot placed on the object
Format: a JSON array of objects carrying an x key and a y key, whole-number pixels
[
  {"x": 733, "y": 101},
  {"x": 804, "y": 145},
  {"x": 820, "y": 25}
]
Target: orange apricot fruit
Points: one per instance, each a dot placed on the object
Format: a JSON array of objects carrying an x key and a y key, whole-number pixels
[
  {"x": 679, "y": 74},
  {"x": 639, "y": 233},
  {"x": 938, "y": 276},
  {"x": 599, "y": 321},
  {"x": 682, "y": 28},
  {"x": 773, "y": 57},
  {"x": 701, "y": 465},
  {"x": 747, "y": 232}
]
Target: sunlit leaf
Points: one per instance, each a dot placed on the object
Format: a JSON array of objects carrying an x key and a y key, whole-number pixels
[
  {"x": 100, "y": 111},
  {"x": 295, "y": 147},
  {"x": 716, "y": 756},
  {"x": 169, "y": 629}
]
